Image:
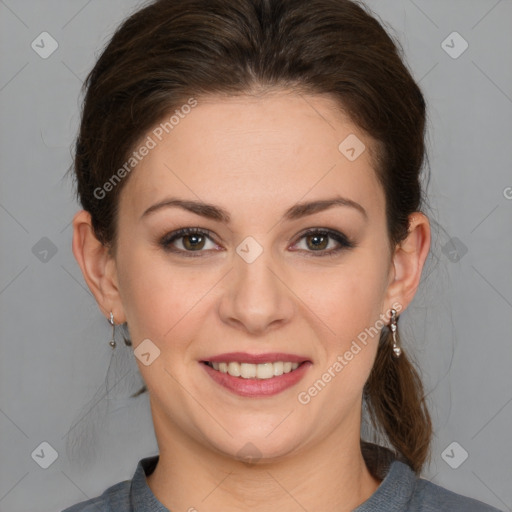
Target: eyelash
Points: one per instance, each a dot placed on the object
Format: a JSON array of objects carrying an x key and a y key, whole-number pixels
[{"x": 169, "y": 238}]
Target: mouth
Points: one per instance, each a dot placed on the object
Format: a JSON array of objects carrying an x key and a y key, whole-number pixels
[
  {"x": 261, "y": 375},
  {"x": 261, "y": 371}
]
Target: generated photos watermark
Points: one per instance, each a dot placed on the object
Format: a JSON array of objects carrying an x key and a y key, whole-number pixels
[
  {"x": 143, "y": 150},
  {"x": 342, "y": 360}
]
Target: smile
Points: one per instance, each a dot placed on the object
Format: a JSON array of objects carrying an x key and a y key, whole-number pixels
[
  {"x": 254, "y": 371},
  {"x": 256, "y": 380}
]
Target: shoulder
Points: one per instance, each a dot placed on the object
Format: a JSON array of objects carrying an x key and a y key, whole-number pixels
[
  {"x": 401, "y": 490},
  {"x": 114, "y": 499},
  {"x": 429, "y": 497},
  {"x": 125, "y": 496}
]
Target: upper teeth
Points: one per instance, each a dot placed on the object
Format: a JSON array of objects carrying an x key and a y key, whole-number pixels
[{"x": 255, "y": 371}]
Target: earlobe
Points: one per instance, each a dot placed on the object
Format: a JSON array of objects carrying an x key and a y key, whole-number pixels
[
  {"x": 97, "y": 266},
  {"x": 408, "y": 260}
]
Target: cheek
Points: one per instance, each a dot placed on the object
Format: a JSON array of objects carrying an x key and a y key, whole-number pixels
[
  {"x": 349, "y": 302},
  {"x": 157, "y": 295},
  {"x": 348, "y": 299}
]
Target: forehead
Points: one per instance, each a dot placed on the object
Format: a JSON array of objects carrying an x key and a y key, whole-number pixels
[{"x": 273, "y": 150}]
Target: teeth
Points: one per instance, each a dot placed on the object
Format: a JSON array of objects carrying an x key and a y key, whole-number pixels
[
  {"x": 255, "y": 371},
  {"x": 248, "y": 371},
  {"x": 233, "y": 369}
]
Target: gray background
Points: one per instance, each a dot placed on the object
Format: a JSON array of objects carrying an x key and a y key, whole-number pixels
[{"x": 55, "y": 356}]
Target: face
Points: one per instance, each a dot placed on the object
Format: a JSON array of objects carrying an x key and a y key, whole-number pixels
[{"x": 285, "y": 283}]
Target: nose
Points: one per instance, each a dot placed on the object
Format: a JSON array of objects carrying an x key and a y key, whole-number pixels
[{"x": 256, "y": 297}]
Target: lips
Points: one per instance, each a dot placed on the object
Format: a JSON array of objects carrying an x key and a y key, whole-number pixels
[{"x": 256, "y": 375}]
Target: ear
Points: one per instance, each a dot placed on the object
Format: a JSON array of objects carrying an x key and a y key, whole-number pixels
[
  {"x": 408, "y": 260},
  {"x": 98, "y": 267}
]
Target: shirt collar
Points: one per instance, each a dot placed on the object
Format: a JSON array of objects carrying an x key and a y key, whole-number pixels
[
  {"x": 395, "y": 491},
  {"x": 142, "y": 498}
]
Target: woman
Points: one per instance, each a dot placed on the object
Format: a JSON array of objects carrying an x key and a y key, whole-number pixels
[{"x": 249, "y": 173}]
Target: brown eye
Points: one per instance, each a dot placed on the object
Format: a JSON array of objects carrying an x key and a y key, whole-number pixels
[
  {"x": 318, "y": 240},
  {"x": 191, "y": 240}
]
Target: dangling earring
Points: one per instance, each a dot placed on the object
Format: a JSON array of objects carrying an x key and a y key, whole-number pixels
[
  {"x": 396, "y": 349},
  {"x": 112, "y": 342}
]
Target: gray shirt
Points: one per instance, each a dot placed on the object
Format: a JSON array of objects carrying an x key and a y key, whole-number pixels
[{"x": 400, "y": 490}]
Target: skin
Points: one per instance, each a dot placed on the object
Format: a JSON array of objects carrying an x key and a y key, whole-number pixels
[{"x": 255, "y": 156}]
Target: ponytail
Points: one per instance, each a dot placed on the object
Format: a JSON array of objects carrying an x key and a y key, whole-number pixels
[{"x": 396, "y": 403}]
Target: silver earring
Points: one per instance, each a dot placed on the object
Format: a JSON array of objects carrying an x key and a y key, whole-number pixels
[
  {"x": 112, "y": 342},
  {"x": 396, "y": 349}
]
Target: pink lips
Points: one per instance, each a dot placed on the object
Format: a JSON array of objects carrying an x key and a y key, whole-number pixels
[{"x": 257, "y": 387}]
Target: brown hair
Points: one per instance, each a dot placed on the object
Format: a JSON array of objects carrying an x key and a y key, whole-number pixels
[{"x": 172, "y": 50}]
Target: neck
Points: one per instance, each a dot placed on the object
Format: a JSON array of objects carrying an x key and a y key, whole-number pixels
[{"x": 330, "y": 475}]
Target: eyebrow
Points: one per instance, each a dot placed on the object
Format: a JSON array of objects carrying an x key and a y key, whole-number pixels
[{"x": 217, "y": 213}]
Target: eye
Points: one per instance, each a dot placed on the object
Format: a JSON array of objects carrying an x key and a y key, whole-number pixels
[
  {"x": 194, "y": 240},
  {"x": 191, "y": 240},
  {"x": 318, "y": 240}
]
